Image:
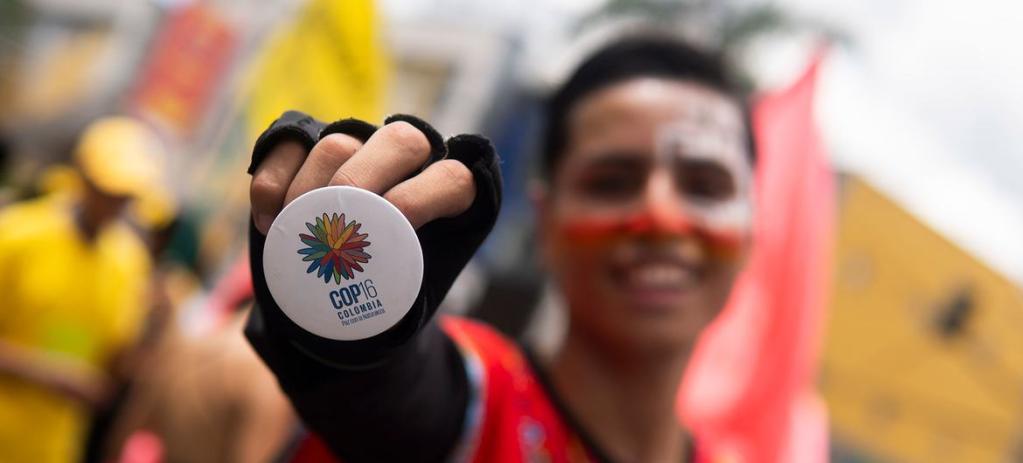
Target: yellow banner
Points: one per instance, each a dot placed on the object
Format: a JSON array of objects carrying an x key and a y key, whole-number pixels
[
  {"x": 328, "y": 63},
  {"x": 924, "y": 358}
]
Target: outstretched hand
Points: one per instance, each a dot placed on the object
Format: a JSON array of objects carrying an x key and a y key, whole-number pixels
[{"x": 449, "y": 191}]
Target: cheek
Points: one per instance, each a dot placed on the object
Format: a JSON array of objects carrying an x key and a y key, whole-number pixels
[
  {"x": 569, "y": 249},
  {"x": 577, "y": 253},
  {"x": 727, "y": 248},
  {"x": 723, "y": 275}
]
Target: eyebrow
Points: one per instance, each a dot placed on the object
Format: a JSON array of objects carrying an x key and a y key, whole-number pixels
[{"x": 616, "y": 159}]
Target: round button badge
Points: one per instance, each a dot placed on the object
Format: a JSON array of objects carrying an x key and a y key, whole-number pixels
[{"x": 343, "y": 263}]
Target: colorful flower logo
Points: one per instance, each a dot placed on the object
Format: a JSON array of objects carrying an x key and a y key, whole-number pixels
[{"x": 335, "y": 248}]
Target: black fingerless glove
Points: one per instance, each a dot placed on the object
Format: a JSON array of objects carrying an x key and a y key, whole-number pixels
[{"x": 447, "y": 244}]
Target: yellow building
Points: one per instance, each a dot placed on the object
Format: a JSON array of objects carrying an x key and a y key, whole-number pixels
[{"x": 923, "y": 360}]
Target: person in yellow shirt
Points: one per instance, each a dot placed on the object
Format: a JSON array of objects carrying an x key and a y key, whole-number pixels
[{"x": 73, "y": 282}]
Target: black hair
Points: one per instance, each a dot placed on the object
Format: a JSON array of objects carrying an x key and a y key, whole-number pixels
[{"x": 628, "y": 58}]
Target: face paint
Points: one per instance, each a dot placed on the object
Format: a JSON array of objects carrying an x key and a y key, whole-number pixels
[
  {"x": 593, "y": 232},
  {"x": 690, "y": 179},
  {"x": 713, "y": 177}
]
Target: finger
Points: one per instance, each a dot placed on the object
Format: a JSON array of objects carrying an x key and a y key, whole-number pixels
[
  {"x": 292, "y": 125},
  {"x": 471, "y": 150},
  {"x": 271, "y": 180},
  {"x": 357, "y": 128},
  {"x": 444, "y": 189},
  {"x": 323, "y": 161},
  {"x": 394, "y": 152},
  {"x": 437, "y": 147},
  {"x": 478, "y": 155}
]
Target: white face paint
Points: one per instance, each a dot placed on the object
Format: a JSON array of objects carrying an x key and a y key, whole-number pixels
[{"x": 713, "y": 176}]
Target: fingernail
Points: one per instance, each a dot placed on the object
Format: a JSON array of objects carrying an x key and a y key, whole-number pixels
[{"x": 263, "y": 222}]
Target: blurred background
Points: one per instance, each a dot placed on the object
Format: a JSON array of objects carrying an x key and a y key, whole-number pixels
[{"x": 916, "y": 103}]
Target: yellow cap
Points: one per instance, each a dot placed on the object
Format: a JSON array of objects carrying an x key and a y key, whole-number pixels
[{"x": 121, "y": 156}]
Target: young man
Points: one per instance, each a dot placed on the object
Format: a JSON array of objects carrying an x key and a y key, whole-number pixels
[
  {"x": 644, "y": 214},
  {"x": 73, "y": 276}
]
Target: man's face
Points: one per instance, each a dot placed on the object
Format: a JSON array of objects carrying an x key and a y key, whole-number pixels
[
  {"x": 646, "y": 221},
  {"x": 100, "y": 207}
]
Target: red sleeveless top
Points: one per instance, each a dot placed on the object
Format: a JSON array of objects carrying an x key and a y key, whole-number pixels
[{"x": 510, "y": 417}]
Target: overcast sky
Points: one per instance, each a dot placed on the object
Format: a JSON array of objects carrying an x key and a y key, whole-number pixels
[{"x": 927, "y": 105}]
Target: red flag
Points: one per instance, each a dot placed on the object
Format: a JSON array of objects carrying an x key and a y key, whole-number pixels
[
  {"x": 189, "y": 55},
  {"x": 749, "y": 391}
]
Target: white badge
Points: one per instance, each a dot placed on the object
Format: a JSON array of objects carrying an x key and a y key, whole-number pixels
[{"x": 343, "y": 263}]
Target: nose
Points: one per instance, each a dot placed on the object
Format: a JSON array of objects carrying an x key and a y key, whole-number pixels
[{"x": 661, "y": 209}]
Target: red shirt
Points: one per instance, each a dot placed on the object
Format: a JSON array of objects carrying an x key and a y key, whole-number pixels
[{"x": 510, "y": 418}]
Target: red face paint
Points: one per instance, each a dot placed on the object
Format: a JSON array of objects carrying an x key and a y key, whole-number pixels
[{"x": 606, "y": 232}]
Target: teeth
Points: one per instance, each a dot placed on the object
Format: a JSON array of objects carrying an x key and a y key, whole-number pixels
[{"x": 660, "y": 276}]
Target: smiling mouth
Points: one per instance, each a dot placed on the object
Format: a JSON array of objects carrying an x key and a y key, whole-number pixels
[{"x": 655, "y": 282}]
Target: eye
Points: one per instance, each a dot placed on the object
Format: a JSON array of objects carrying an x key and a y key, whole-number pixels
[
  {"x": 611, "y": 184},
  {"x": 705, "y": 180},
  {"x": 612, "y": 176}
]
